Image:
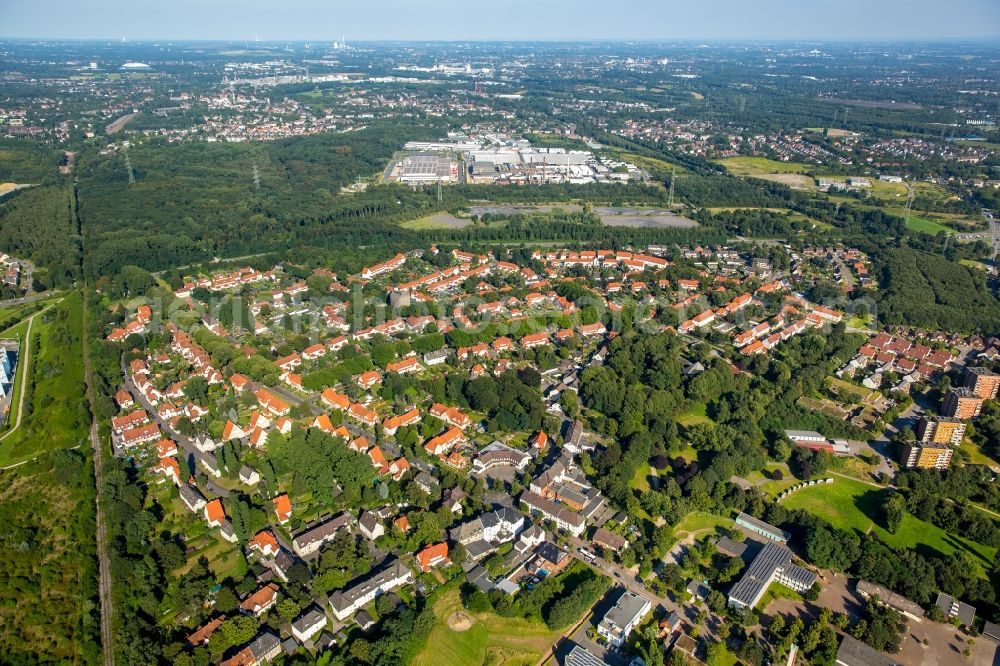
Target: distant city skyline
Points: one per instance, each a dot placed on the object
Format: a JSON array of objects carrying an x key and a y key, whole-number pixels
[{"x": 530, "y": 20}]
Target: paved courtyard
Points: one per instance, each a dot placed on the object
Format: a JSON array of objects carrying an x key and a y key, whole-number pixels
[{"x": 945, "y": 643}]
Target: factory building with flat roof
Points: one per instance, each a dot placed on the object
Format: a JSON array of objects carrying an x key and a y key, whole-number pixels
[{"x": 424, "y": 168}]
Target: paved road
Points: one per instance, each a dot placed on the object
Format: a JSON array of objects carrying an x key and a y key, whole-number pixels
[
  {"x": 618, "y": 575},
  {"x": 17, "y": 188},
  {"x": 292, "y": 398},
  {"x": 28, "y": 299},
  {"x": 882, "y": 445},
  {"x": 845, "y": 274},
  {"x": 104, "y": 568},
  {"x": 29, "y": 270},
  {"x": 184, "y": 444}
]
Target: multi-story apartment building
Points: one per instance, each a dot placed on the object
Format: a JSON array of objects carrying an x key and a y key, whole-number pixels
[
  {"x": 983, "y": 382},
  {"x": 940, "y": 430},
  {"x": 344, "y": 603},
  {"x": 961, "y": 403},
  {"x": 925, "y": 455}
]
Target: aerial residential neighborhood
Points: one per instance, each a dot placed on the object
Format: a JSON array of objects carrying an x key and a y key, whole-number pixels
[{"x": 457, "y": 457}]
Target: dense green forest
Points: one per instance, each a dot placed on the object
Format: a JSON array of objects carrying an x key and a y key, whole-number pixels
[
  {"x": 24, "y": 161},
  {"x": 39, "y": 224},
  {"x": 927, "y": 290},
  {"x": 195, "y": 201},
  {"x": 48, "y": 602},
  {"x": 636, "y": 397}
]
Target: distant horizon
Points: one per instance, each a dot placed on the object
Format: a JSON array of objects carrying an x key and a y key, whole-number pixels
[
  {"x": 569, "y": 40},
  {"x": 516, "y": 21}
]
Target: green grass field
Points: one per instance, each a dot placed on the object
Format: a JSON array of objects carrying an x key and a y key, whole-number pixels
[
  {"x": 770, "y": 486},
  {"x": 924, "y": 225},
  {"x": 844, "y": 388},
  {"x": 700, "y": 521},
  {"x": 436, "y": 221},
  {"x": 777, "y": 591},
  {"x": 9, "y": 311},
  {"x": 976, "y": 455},
  {"x": 858, "y": 322},
  {"x": 852, "y": 504},
  {"x": 695, "y": 414},
  {"x": 55, "y": 413},
  {"x": 652, "y": 164},
  {"x": 640, "y": 481},
  {"x": 971, "y": 263},
  {"x": 757, "y": 166},
  {"x": 10, "y": 317},
  {"x": 491, "y": 639},
  {"x": 919, "y": 221}
]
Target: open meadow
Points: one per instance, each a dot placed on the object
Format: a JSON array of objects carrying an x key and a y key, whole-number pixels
[
  {"x": 460, "y": 637},
  {"x": 854, "y": 505},
  {"x": 54, "y": 413}
]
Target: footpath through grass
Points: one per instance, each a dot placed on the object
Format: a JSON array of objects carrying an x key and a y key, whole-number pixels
[
  {"x": 55, "y": 414},
  {"x": 700, "y": 521}
]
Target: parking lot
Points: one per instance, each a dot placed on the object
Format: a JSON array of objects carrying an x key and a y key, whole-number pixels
[{"x": 945, "y": 643}]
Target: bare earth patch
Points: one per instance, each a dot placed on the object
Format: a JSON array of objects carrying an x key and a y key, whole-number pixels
[
  {"x": 459, "y": 621},
  {"x": 790, "y": 179}
]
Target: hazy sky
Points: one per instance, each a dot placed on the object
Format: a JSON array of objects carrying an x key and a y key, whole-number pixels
[{"x": 501, "y": 19}]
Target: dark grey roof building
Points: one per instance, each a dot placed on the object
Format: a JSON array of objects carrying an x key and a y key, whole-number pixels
[
  {"x": 192, "y": 498},
  {"x": 346, "y": 602},
  {"x": 772, "y": 564},
  {"x": 853, "y": 652},
  {"x": 309, "y": 624},
  {"x": 311, "y": 540},
  {"x": 581, "y": 656},
  {"x": 731, "y": 548},
  {"x": 364, "y": 620},
  {"x": 480, "y": 577},
  {"x": 952, "y": 607},
  {"x": 265, "y": 646}
]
